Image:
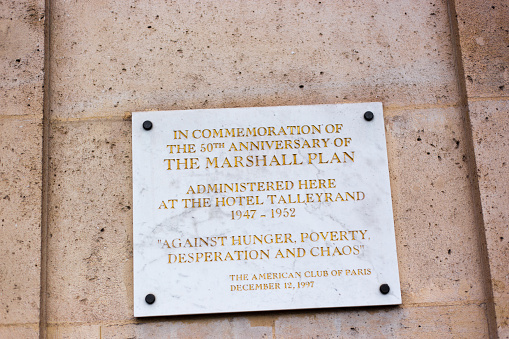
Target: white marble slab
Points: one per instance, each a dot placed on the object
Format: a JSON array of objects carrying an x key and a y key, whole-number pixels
[{"x": 315, "y": 227}]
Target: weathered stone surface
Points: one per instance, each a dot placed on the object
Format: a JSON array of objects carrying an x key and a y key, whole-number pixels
[
  {"x": 490, "y": 125},
  {"x": 438, "y": 243},
  {"x": 188, "y": 54},
  {"x": 21, "y": 92},
  {"x": 213, "y": 327},
  {"x": 484, "y": 38},
  {"x": 21, "y": 57},
  {"x": 20, "y": 331},
  {"x": 74, "y": 332},
  {"x": 20, "y": 213},
  {"x": 460, "y": 321},
  {"x": 90, "y": 227}
]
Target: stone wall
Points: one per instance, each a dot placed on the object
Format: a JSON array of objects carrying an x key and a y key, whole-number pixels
[{"x": 73, "y": 71}]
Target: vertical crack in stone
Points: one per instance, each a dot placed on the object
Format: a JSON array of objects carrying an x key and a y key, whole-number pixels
[{"x": 45, "y": 170}]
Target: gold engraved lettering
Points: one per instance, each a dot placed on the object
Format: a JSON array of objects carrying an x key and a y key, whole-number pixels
[
  {"x": 274, "y": 161},
  {"x": 196, "y": 203},
  {"x": 186, "y": 163},
  {"x": 212, "y": 162},
  {"x": 240, "y": 201},
  {"x": 262, "y": 239},
  {"x": 237, "y": 277},
  {"x": 238, "y": 161},
  {"x": 240, "y": 132},
  {"x": 294, "y": 253},
  {"x": 313, "y": 197},
  {"x": 179, "y": 134},
  {"x": 255, "y": 287},
  {"x": 185, "y": 148},
  {"x": 342, "y": 235},
  {"x": 333, "y": 236},
  {"x": 316, "y": 274},
  {"x": 226, "y": 162}
]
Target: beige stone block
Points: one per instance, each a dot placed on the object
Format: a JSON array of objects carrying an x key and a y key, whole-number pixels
[
  {"x": 490, "y": 126},
  {"x": 19, "y": 331},
  {"x": 68, "y": 331},
  {"x": 452, "y": 321},
  {"x": 222, "y": 326},
  {"x": 90, "y": 222},
  {"x": 20, "y": 214},
  {"x": 483, "y": 28},
  {"x": 437, "y": 237},
  {"x": 458, "y": 321},
  {"x": 21, "y": 57},
  {"x": 117, "y": 59}
]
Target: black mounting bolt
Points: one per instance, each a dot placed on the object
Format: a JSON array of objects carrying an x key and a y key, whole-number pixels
[
  {"x": 147, "y": 125},
  {"x": 150, "y": 298},
  {"x": 369, "y": 115},
  {"x": 384, "y": 288}
]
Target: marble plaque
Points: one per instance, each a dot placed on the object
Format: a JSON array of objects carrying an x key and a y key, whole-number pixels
[{"x": 268, "y": 208}]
